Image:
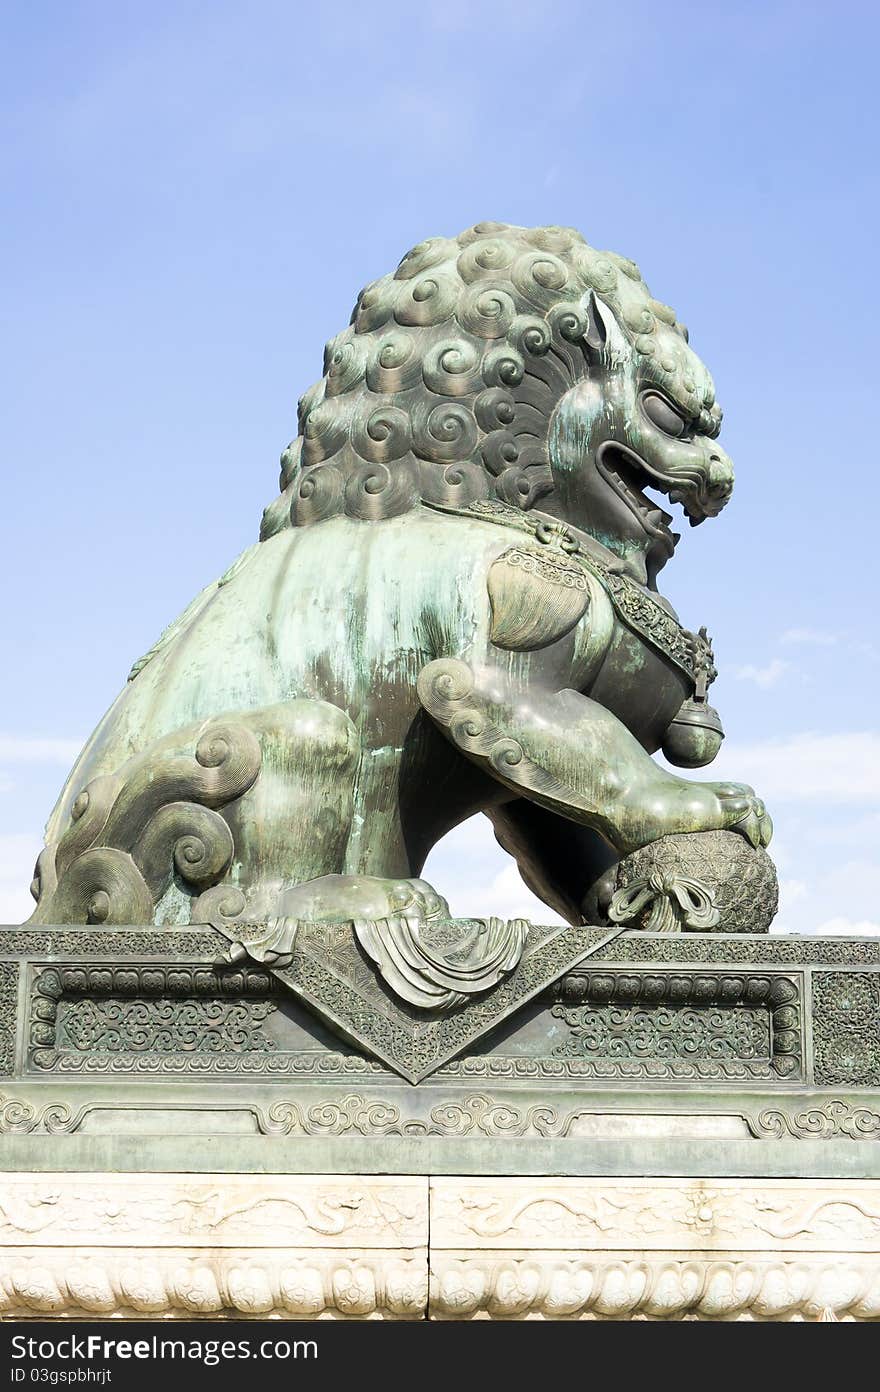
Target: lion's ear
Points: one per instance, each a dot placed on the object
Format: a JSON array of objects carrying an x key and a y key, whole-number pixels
[
  {"x": 597, "y": 325},
  {"x": 603, "y": 339},
  {"x": 536, "y": 597}
]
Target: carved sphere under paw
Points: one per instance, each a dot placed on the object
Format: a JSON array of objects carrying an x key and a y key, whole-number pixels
[{"x": 741, "y": 880}]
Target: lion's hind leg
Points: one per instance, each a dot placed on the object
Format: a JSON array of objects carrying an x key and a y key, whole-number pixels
[{"x": 214, "y": 819}]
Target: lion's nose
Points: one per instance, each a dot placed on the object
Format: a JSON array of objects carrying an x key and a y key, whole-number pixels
[{"x": 719, "y": 478}]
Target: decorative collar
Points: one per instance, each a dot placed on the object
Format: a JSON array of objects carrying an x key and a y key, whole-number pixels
[{"x": 635, "y": 606}]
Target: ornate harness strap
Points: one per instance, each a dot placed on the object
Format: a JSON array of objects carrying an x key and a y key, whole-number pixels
[{"x": 634, "y": 605}]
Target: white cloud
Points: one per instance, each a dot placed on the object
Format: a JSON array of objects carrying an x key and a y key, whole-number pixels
[
  {"x": 16, "y": 850},
  {"x": 824, "y": 793},
  {"x": 15, "y": 749},
  {"x": 848, "y": 928},
  {"x": 832, "y": 896},
  {"x": 504, "y": 897},
  {"x": 790, "y": 891},
  {"x": 18, "y": 854},
  {"x": 477, "y": 877},
  {"x": 763, "y": 676},
  {"x": 840, "y": 768},
  {"x": 861, "y": 829},
  {"x": 817, "y": 636}
]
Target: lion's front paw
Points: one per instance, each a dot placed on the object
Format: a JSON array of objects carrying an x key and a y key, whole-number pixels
[{"x": 744, "y": 812}]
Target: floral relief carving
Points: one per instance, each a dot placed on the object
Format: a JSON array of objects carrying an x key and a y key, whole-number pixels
[
  {"x": 164, "y": 1026},
  {"x": 8, "y": 1014},
  {"x": 828, "y": 1121},
  {"x": 475, "y": 1114},
  {"x": 846, "y": 1027},
  {"x": 90, "y": 1012},
  {"x": 671, "y": 1023}
]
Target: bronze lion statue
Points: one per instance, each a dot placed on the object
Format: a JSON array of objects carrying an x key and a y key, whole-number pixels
[{"x": 452, "y": 608}]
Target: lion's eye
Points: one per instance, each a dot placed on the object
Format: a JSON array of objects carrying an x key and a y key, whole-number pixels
[{"x": 663, "y": 415}]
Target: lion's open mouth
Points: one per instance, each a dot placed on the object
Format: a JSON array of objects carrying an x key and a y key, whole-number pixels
[{"x": 630, "y": 478}]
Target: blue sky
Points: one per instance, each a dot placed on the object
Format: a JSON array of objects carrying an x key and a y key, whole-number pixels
[{"x": 193, "y": 195}]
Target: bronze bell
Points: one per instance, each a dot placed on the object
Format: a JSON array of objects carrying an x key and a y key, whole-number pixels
[{"x": 694, "y": 736}]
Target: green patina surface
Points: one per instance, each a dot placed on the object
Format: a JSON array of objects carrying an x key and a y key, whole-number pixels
[
  {"x": 452, "y": 609},
  {"x": 692, "y": 1054}
]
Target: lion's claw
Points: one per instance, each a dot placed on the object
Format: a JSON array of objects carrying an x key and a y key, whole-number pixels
[
  {"x": 745, "y": 813},
  {"x": 756, "y": 826},
  {"x": 749, "y": 826}
]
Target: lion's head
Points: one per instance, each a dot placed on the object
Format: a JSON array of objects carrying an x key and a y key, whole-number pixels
[{"x": 518, "y": 364}]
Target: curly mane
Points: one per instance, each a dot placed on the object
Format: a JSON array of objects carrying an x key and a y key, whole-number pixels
[{"x": 442, "y": 388}]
